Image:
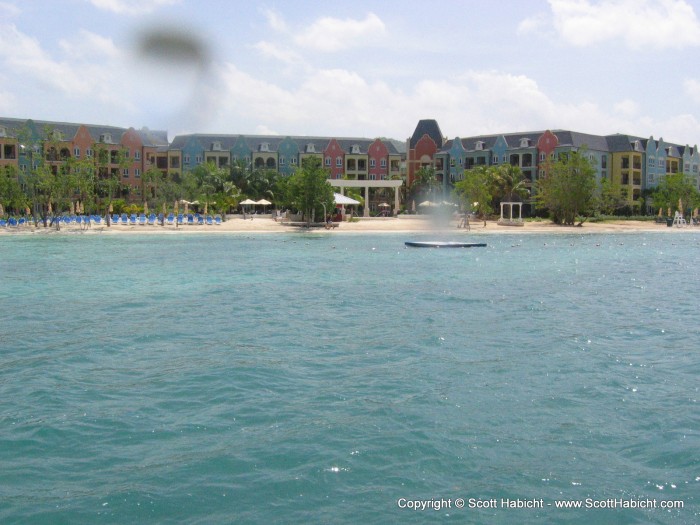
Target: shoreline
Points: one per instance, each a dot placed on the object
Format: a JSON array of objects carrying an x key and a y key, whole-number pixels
[{"x": 406, "y": 224}]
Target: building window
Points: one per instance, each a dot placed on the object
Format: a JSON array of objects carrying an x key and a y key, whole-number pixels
[
  {"x": 372, "y": 163},
  {"x": 137, "y": 155},
  {"x": 328, "y": 161},
  {"x": 494, "y": 159},
  {"x": 372, "y": 177},
  {"x": 338, "y": 162},
  {"x": 125, "y": 173},
  {"x": 382, "y": 163},
  {"x": 651, "y": 162},
  {"x": 294, "y": 161},
  {"x": 282, "y": 161},
  {"x": 543, "y": 156},
  {"x": 137, "y": 172},
  {"x": 186, "y": 159},
  {"x": 198, "y": 159},
  {"x": 479, "y": 145},
  {"x": 604, "y": 161},
  {"x": 76, "y": 152},
  {"x": 88, "y": 153}
]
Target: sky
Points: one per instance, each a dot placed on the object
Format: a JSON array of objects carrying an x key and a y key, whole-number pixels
[{"x": 356, "y": 68}]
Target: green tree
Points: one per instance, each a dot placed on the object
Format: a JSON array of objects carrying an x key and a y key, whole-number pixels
[
  {"x": 509, "y": 183},
  {"x": 475, "y": 191},
  {"x": 309, "y": 191},
  {"x": 11, "y": 195},
  {"x": 674, "y": 190},
  {"x": 612, "y": 197},
  {"x": 567, "y": 190},
  {"x": 424, "y": 184}
]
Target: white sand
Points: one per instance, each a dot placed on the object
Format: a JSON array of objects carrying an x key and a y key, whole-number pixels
[{"x": 407, "y": 224}]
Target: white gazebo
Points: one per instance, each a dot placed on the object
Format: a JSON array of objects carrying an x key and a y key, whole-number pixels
[
  {"x": 510, "y": 220},
  {"x": 366, "y": 185}
]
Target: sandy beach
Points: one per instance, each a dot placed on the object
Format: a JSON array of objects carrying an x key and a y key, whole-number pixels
[{"x": 402, "y": 224}]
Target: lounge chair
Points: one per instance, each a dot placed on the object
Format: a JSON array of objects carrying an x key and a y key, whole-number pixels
[
  {"x": 3, "y": 223},
  {"x": 115, "y": 219},
  {"x": 97, "y": 219},
  {"x": 200, "y": 219},
  {"x": 180, "y": 218},
  {"x": 217, "y": 220},
  {"x": 190, "y": 219},
  {"x": 132, "y": 219},
  {"x": 12, "y": 222},
  {"x": 209, "y": 220},
  {"x": 152, "y": 219},
  {"x": 170, "y": 219}
]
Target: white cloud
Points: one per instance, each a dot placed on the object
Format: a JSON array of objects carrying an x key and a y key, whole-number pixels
[
  {"x": 275, "y": 20},
  {"x": 626, "y": 108},
  {"x": 87, "y": 45},
  {"x": 659, "y": 24},
  {"x": 691, "y": 87},
  {"x": 341, "y": 102},
  {"x": 271, "y": 50},
  {"x": 333, "y": 34},
  {"x": 132, "y": 7},
  {"x": 9, "y": 10}
]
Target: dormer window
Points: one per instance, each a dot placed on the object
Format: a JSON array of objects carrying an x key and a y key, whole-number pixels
[
  {"x": 310, "y": 148},
  {"x": 3, "y": 131},
  {"x": 264, "y": 147},
  {"x": 355, "y": 149},
  {"x": 106, "y": 138},
  {"x": 479, "y": 146},
  {"x": 216, "y": 146},
  {"x": 56, "y": 135},
  {"x": 524, "y": 143}
]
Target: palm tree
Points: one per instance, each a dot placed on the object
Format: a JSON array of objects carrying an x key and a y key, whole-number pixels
[{"x": 510, "y": 182}]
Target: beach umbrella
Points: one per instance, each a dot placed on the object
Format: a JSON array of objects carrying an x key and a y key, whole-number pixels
[
  {"x": 248, "y": 202},
  {"x": 383, "y": 205},
  {"x": 425, "y": 203}
]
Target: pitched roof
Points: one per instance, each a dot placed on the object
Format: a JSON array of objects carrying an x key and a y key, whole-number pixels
[{"x": 427, "y": 127}]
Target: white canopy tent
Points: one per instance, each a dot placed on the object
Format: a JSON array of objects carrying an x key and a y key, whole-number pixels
[{"x": 344, "y": 200}]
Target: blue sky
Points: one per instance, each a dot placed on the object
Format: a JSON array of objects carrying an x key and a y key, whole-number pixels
[{"x": 357, "y": 68}]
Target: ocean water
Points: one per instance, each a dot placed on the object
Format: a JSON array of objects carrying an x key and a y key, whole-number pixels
[{"x": 347, "y": 379}]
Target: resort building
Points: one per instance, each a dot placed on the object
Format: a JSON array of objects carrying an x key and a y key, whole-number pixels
[
  {"x": 635, "y": 163},
  {"x": 125, "y": 153},
  {"x": 376, "y": 167}
]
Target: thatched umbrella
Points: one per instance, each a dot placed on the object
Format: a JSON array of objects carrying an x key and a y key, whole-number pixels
[{"x": 72, "y": 208}]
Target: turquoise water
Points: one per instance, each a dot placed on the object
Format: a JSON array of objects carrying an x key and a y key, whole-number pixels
[{"x": 326, "y": 378}]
